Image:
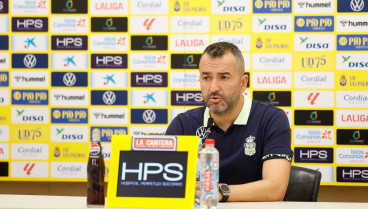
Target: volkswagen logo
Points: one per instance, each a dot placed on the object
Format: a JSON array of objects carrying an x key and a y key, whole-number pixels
[
  {"x": 357, "y": 5},
  {"x": 29, "y": 61},
  {"x": 149, "y": 116},
  {"x": 109, "y": 97},
  {"x": 201, "y": 132},
  {"x": 69, "y": 79}
]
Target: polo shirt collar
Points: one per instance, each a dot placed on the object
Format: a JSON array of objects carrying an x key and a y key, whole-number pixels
[{"x": 242, "y": 118}]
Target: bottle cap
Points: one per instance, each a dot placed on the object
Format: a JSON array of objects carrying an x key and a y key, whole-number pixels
[{"x": 209, "y": 141}]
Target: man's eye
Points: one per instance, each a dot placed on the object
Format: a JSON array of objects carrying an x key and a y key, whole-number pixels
[
  {"x": 206, "y": 78},
  {"x": 225, "y": 77}
]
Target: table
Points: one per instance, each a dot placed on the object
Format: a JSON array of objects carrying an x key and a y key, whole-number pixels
[{"x": 43, "y": 202}]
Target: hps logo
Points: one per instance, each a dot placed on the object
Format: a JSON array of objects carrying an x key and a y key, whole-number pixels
[{"x": 29, "y": 24}]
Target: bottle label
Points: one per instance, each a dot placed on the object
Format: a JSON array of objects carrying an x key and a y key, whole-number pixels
[
  {"x": 95, "y": 149},
  {"x": 209, "y": 180}
]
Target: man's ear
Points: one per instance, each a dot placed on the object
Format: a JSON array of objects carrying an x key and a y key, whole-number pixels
[{"x": 244, "y": 83}]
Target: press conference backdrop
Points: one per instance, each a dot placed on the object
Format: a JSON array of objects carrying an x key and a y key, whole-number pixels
[{"x": 129, "y": 67}]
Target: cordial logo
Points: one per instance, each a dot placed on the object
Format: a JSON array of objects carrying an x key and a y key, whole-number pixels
[
  {"x": 30, "y": 61},
  {"x": 145, "y": 7},
  {"x": 69, "y": 79}
]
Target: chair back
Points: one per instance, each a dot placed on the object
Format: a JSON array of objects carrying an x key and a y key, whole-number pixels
[{"x": 303, "y": 184}]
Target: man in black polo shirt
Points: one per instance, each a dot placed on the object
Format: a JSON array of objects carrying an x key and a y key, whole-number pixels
[{"x": 253, "y": 138}]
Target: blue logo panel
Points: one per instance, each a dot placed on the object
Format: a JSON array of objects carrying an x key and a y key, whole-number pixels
[
  {"x": 272, "y": 6},
  {"x": 109, "y": 97},
  {"x": 30, "y": 97},
  {"x": 69, "y": 79},
  {"x": 70, "y": 115},
  {"x": 352, "y": 6},
  {"x": 4, "y": 42},
  {"x": 313, "y": 155},
  {"x": 149, "y": 116},
  {"x": 4, "y": 7},
  {"x": 30, "y": 60},
  {"x": 352, "y": 174},
  {"x": 314, "y": 24},
  {"x": 352, "y": 42},
  {"x": 4, "y": 78},
  {"x": 108, "y": 132}
]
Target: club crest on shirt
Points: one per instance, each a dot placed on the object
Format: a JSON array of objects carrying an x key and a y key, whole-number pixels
[{"x": 250, "y": 146}]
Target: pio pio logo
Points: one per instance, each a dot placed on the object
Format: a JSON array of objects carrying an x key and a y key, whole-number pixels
[
  {"x": 4, "y": 78},
  {"x": 62, "y": 115},
  {"x": 272, "y": 6},
  {"x": 314, "y": 24},
  {"x": 352, "y": 42},
  {"x": 154, "y": 144}
]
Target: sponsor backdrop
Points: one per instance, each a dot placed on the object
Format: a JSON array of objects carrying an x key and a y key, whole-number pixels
[{"x": 68, "y": 67}]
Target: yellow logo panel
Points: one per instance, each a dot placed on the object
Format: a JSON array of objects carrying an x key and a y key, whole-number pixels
[{"x": 276, "y": 43}]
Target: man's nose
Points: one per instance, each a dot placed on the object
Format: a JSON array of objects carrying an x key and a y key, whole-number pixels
[{"x": 214, "y": 86}]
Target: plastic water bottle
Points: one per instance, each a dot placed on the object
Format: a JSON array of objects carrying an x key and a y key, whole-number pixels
[{"x": 209, "y": 178}]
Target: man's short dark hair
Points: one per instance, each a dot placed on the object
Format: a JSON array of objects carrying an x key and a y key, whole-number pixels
[{"x": 220, "y": 48}]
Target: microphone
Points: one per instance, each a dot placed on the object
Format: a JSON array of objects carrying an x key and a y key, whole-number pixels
[
  {"x": 208, "y": 132},
  {"x": 209, "y": 127}
]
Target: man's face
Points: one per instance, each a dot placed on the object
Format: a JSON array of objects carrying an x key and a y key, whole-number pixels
[{"x": 221, "y": 82}]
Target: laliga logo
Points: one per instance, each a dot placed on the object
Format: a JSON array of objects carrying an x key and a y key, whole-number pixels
[
  {"x": 146, "y": 169},
  {"x": 149, "y": 116},
  {"x": 109, "y": 97},
  {"x": 357, "y": 5},
  {"x": 30, "y": 61},
  {"x": 69, "y": 79}
]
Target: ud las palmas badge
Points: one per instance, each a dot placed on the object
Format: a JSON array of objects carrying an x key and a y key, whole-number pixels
[{"x": 250, "y": 146}]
